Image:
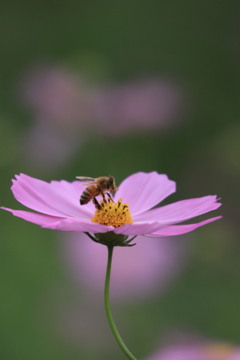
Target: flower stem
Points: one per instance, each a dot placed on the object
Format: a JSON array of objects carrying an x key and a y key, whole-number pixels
[{"x": 108, "y": 309}]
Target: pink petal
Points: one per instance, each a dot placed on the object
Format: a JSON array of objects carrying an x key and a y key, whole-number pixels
[
  {"x": 173, "y": 230},
  {"x": 58, "y": 198},
  {"x": 35, "y": 218},
  {"x": 180, "y": 211},
  {"x": 138, "y": 228},
  {"x": 58, "y": 223},
  {"x": 78, "y": 225},
  {"x": 142, "y": 191}
]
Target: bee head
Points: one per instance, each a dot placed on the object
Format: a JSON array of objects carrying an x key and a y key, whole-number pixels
[
  {"x": 111, "y": 180},
  {"x": 112, "y": 184}
]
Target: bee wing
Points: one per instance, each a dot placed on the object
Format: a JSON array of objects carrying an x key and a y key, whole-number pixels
[{"x": 86, "y": 180}]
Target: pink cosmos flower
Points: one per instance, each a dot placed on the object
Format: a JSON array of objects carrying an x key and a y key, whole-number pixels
[
  {"x": 144, "y": 105},
  {"x": 146, "y": 272},
  {"x": 131, "y": 213},
  {"x": 67, "y": 109},
  {"x": 203, "y": 351},
  {"x": 60, "y": 105},
  {"x": 62, "y": 98}
]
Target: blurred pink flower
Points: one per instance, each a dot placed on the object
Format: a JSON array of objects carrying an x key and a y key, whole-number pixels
[
  {"x": 63, "y": 97},
  {"x": 58, "y": 207},
  {"x": 57, "y": 95},
  {"x": 60, "y": 104},
  {"x": 140, "y": 106},
  {"x": 143, "y": 270},
  {"x": 66, "y": 109},
  {"x": 204, "y": 351}
]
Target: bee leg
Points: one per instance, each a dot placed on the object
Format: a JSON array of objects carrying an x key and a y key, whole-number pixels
[
  {"x": 109, "y": 197},
  {"x": 96, "y": 203},
  {"x": 104, "y": 198}
]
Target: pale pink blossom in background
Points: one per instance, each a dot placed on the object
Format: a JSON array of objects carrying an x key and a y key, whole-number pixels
[
  {"x": 59, "y": 105},
  {"x": 202, "y": 351},
  {"x": 48, "y": 148},
  {"x": 139, "y": 106},
  {"x": 137, "y": 273},
  {"x": 66, "y": 109},
  {"x": 57, "y": 95}
]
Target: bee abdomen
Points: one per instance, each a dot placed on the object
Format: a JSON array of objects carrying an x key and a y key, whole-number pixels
[{"x": 85, "y": 197}]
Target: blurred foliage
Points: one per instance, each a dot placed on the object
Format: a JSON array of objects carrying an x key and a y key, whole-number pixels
[{"x": 194, "y": 44}]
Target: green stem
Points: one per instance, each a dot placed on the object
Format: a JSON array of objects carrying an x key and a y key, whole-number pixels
[{"x": 108, "y": 309}]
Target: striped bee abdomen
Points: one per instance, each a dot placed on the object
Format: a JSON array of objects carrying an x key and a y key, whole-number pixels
[
  {"x": 85, "y": 198},
  {"x": 88, "y": 194}
]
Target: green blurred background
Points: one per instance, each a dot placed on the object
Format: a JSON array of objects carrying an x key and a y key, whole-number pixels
[{"x": 193, "y": 45}]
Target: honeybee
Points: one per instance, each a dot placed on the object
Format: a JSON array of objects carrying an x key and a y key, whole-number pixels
[{"x": 99, "y": 186}]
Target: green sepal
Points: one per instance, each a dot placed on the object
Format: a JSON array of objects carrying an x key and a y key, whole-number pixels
[{"x": 111, "y": 239}]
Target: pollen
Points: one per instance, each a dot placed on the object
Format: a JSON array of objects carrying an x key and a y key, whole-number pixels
[{"x": 112, "y": 214}]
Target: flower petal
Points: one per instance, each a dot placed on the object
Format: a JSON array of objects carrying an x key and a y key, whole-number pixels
[
  {"x": 173, "y": 230},
  {"x": 58, "y": 198},
  {"x": 180, "y": 211},
  {"x": 36, "y": 218},
  {"x": 138, "y": 228},
  {"x": 78, "y": 225},
  {"x": 142, "y": 191},
  {"x": 58, "y": 223}
]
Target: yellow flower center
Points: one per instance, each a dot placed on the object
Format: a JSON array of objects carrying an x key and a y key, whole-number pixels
[
  {"x": 219, "y": 351},
  {"x": 112, "y": 214}
]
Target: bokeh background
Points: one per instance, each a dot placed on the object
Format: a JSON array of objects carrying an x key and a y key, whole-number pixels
[{"x": 97, "y": 88}]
